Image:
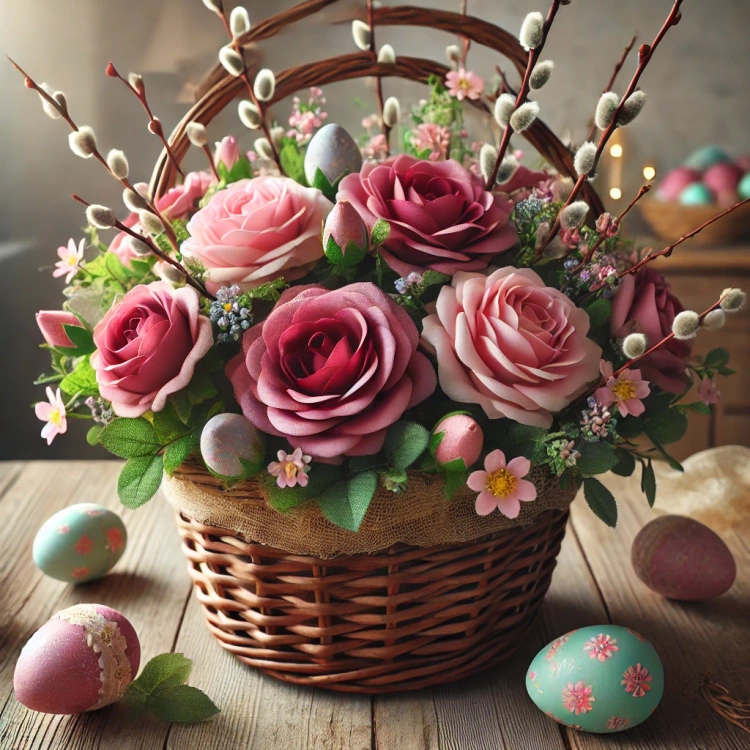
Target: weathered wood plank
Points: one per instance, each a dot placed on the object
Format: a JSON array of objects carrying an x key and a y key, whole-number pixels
[
  {"x": 689, "y": 637},
  {"x": 259, "y": 712},
  {"x": 148, "y": 585}
]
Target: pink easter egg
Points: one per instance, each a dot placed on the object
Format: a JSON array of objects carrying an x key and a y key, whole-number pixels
[
  {"x": 81, "y": 659},
  {"x": 462, "y": 438},
  {"x": 727, "y": 199},
  {"x": 676, "y": 181},
  {"x": 743, "y": 162},
  {"x": 722, "y": 178},
  {"x": 680, "y": 558}
]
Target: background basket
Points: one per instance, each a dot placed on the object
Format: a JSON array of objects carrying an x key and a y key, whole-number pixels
[{"x": 408, "y": 615}]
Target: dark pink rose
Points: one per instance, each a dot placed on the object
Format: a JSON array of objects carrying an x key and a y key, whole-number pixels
[
  {"x": 644, "y": 304},
  {"x": 511, "y": 344},
  {"x": 257, "y": 230},
  {"x": 331, "y": 370},
  {"x": 147, "y": 347},
  {"x": 441, "y": 216}
]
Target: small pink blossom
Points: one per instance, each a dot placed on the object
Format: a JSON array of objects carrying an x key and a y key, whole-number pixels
[
  {"x": 601, "y": 647},
  {"x": 555, "y": 647},
  {"x": 636, "y": 679},
  {"x": 708, "y": 392},
  {"x": 577, "y": 698},
  {"x": 291, "y": 468},
  {"x": 84, "y": 545},
  {"x": 464, "y": 84},
  {"x": 376, "y": 148},
  {"x": 617, "y": 722},
  {"x": 53, "y": 413},
  {"x": 70, "y": 260},
  {"x": 626, "y": 390},
  {"x": 433, "y": 138},
  {"x": 307, "y": 117},
  {"x": 500, "y": 485}
]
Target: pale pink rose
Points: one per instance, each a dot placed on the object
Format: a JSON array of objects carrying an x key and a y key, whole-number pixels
[
  {"x": 441, "y": 216},
  {"x": 257, "y": 230},
  {"x": 510, "y": 344},
  {"x": 51, "y": 324},
  {"x": 331, "y": 370},
  {"x": 147, "y": 347},
  {"x": 181, "y": 201}
]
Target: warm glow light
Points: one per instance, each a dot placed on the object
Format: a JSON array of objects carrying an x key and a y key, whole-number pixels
[
  {"x": 616, "y": 151},
  {"x": 649, "y": 173},
  {"x": 615, "y": 193}
]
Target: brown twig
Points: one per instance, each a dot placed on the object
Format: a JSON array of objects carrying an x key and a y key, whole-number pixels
[
  {"x": 534, "y": 55},
  {"x": 505, "y": 87},
  {"x": 378, "y": 79},
  {"x": 211, "y": 163},
  {"x": 156, "y": 250},
  {"x": 154, "y": 124},
  {"x": 732, "y": 709},
  {"x": 465, "y": 41},
  {"x": 613, "y": 78},
  {"x": 645, "y": 53}
]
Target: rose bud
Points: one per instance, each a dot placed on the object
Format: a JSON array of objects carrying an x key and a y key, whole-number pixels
[
  {"x": 345, "y": 236},
  {"x": 51, "y": 324},
  {"x": 227, "y": 152},
  {"x": 462, "y": 438}
]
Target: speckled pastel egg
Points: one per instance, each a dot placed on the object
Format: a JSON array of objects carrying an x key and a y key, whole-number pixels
[
  {"x": 696, "y": 194},
  {"x": 226, "y": 440},
  {"x": 462, "y": 438},
  {"x": 706, "y": 157},
  {"x": 602, "y": 678},
  {"x": 82, "y": 659},
  {"x": 722, "y": 178},
  {"x": 676, "y": 181},
  {"x": 80, "y": 543},
  {"x": 744, "y": 187},
  {"x": 334, "y": 152},
  {"x": 681, "y": 558}
]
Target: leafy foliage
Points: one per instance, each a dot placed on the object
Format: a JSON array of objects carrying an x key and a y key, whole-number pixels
[{"x": 600, "y": 500}]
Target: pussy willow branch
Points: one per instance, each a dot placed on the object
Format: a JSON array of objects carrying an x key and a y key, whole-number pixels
[
  {"x": 613, "y": 78},
  {"x": 465, "y": 41},
  {"x": 534, "y": 55},
  {"x": 378, "y": 79},
  {"x": 248, "y": 84},
  {"x": 154, "y": 122},
  {"x": 645, "y": 53},
  {"x": 156, "y": 250}
]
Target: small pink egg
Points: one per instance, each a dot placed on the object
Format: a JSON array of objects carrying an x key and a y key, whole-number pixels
[
  {"x": 727, "y": 199},
  {"x": 676, "y": 181},
  {"x": 463, "y": 438},
  {"x": 81, "y": 659},
  {"x": 721, "y": 178}
]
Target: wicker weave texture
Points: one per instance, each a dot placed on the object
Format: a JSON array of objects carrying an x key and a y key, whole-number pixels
[{"x": 404, "y": 619}]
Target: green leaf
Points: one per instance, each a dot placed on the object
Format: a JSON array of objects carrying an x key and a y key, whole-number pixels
[
  {"x": 600, "y": 500},
  {"x": 201, "y": 388},
  {"x": 351, "y": 256},
  {"x": 366, "y": 463},
  {"x": 673, "y": 462},
  {"x": 345, "y": 503},
  {"x": 380, "y": 232},
  {"x": 127, "y": 438},
  {"x": 167, "y": 423},
  {"x": 182, "y": 704},
  {"x": 82, "y": 340},
  {"x": 321, "y": 183},
  {"x": 625, "y": 465},
  {"x": 139, "y": 480},
  {"x": 319, "y": 479},
  {"x": 177, "y": 453},
  {"x": 596, "y": 458},
  {"x": 163, "y": 671},
  {"x": 716, "y": 357},
  {"x": 698, "y": 407},
  {"x": 182, "y": 405},
  {"x": 293, "y": 161},
  {"x": 82, "y": 380},
  {"x": 241, "y": 170},
  {"x": 648, "y": 482},
  {"x": 405, "y": 442},
  {"x": 454, "y": 481},
  {"x": 630, "y": 427},
  {"x": 599, "y": 312},
  {"x": 92, "y": 436},
  {"x": 433, "y": 278},
  {"x": 669, "y": 427}
]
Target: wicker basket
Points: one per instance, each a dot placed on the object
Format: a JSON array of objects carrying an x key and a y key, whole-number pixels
[{"x": 404, "y": 615}]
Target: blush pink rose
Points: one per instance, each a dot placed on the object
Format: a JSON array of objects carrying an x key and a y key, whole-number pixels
[
  {"x": 644, "y": 304},
  {"x": 147, "y": 347},
  {"x": 181, "y": 201},
  {"x": 441, "y": 216},
  {"x": 331, "y": 370},
  {"x": 257, "y": 230},
  {"x": 512, "y": 345}
]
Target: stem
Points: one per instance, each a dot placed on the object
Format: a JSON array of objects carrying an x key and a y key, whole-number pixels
[
  {"x": 613, "y": 78},
  {"x": 534, "y": 55},
  {"x": 465, "y": 41},
  {"x": 378, "y": 79},
  {"x": 156, "y": 250},
  {"x": 644, "y": 57},
  {"x": 214, "y": 171}
]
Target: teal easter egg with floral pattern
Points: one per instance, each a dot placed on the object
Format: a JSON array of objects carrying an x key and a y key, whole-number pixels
[
  {"x": 80, "y": 543},
  {"x": 743, "y": 189},
  {"x": 603, "y": 678}
]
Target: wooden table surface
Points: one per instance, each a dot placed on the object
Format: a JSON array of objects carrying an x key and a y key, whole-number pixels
[{"x": 593, "y": 583}]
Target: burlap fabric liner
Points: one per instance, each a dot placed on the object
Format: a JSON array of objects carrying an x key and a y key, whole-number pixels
[{"x": 421, "y": 516}]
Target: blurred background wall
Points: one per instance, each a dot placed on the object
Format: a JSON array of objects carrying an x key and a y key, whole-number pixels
[{"x": 697, "y": 86}]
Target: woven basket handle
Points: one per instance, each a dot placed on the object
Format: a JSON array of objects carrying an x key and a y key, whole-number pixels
[{"x": 219, "y": 88}]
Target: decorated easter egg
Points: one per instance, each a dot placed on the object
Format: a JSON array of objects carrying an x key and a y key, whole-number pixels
[
  {"x": 726, "y": 199},
  {"x": 706, "y": 157},
  {"x": 680, "y": 558},
  {"x": 603, "y": 678},
  {"x": 79, "y": 543},
  {"x": 82, "y": 659},
  {"x": 744, "y": 187},
  {"x": 227, "y": 440},
  {"x": 696, "y": 194},
  {"x": 676, "y": 181},
  {"x": 722, "y": 177},
  {"x": 334, "y": 152}
]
